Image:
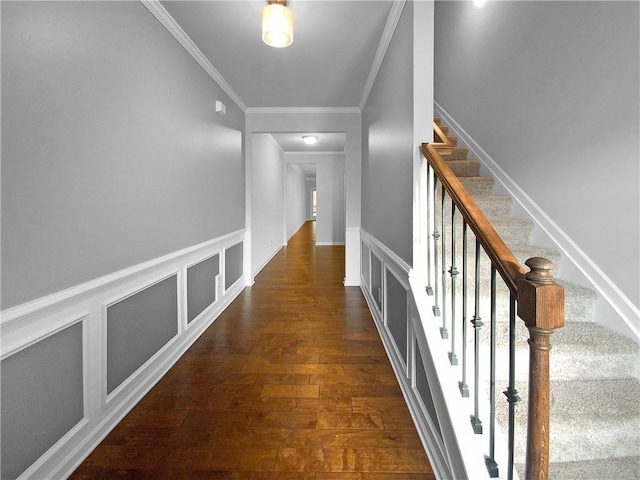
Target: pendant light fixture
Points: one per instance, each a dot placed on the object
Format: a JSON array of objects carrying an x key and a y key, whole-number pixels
[{"x": 277, "y": 24}]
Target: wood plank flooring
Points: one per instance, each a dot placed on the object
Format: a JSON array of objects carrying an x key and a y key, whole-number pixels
[{"x": 290, "y": 382}]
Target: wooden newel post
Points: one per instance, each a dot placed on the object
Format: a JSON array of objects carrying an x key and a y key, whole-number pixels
[{"x": 541, "y": 306}]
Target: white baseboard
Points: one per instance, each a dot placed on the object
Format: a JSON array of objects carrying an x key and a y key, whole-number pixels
[
  {"x": 441, "y": 461},
  {"x": 457, "y": 453},
  {"x": 266, "y": 262},
  {"x": 64, "y": 467},
  {"x": 296, "y": 229},
  {"x": 622, "y": 315},
  {"x": 427, "y": 433},
  {"x": 26, "y": 325}
]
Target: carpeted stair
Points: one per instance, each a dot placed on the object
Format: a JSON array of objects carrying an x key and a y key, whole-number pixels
[{"x": 595, "y": 393}]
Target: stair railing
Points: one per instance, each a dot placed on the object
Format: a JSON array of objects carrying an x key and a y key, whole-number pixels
[{"x": 539, "y": 300}]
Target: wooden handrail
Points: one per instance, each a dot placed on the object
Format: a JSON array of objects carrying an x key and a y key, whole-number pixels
[
  {"x": 539, "y": 298},
  {"x": 506, "y": 263},
  {"x": 441, "y": 135}
]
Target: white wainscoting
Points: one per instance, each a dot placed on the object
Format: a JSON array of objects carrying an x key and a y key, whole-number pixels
[
  {"x": 442, "y": 452},
  {"x": 456, "y": 452},
  {"x": 26, "y": 325}
]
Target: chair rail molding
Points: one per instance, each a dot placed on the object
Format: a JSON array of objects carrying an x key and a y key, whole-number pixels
[{"x": 26, "y": 325}]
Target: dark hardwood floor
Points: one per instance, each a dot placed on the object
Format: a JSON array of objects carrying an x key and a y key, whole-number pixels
[{"x": 290, "y": 382}]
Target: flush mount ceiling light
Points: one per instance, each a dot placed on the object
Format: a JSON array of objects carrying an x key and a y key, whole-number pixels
[
  {"x": 310, "y": 139},
  {"x": 277, "y": 24}
]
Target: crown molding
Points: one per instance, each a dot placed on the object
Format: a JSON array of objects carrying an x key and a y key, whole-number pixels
[
  {"x": 301, "y": 110},
  {"x": 174, "y": 29},
  {"x": 273, "y": 140},
  {"x": 383, "y": 46}
]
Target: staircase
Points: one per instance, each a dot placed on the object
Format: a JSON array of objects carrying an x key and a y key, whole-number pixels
[{"x": 595, "y": 393}]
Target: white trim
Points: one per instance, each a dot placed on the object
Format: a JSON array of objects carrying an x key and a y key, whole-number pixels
[
  {"x": 158, "y": 11},
  {"x": 109, "y": 397},
  {"x": 328, "y": 244},
  {"x": 31, "y": 472},
  {"x": 224, "y": 266},
  {"x": 446, "y": 449},
  {"x": 379, "y": 308},
  {"x": 365, "y": 281},
  {"x": 28, "y": 324},
  {"x": 294, "y": 232},
  {"x": 267, "y": 261},
  {"x": 628, "y": 312},
  {"x": 22, "y": 340},
  {"x": 427, "y": 432},
  {"x": 385, "y": 317},
  {"x": 353, "y": 244},
  {"x": 301, "y": 110},
  {"x": 186, "y": 324},
  {"x": 65, "y": 466},
  {"x": 383, "y": 46},
  {"x": 271, "y": 138},
  {"x": 39, "y": 305},
  {"x": 436, "y": 451},
  {"x": 390, "y": 256}
]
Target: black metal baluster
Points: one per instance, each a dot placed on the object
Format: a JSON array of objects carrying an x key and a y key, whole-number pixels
[
  {"x": 511, "y": 393},
  {"x": 444, "y": 334},
  {"x": 453, "y": 271},
  {"x": 462, "y": 385},
  {"x": 436, "y": 239},
  {"x": 477, "y": 325},
  {"x": 492, "y": 466},
  {"x": 429, "y": 227}
]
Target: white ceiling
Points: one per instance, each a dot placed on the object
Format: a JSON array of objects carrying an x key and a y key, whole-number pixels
[
  {"x": 327, "y": 66},
  {"x": 327, "y": 142},
  {"x": 330, "y": 64},
  {"x": 308, "y": 169}
]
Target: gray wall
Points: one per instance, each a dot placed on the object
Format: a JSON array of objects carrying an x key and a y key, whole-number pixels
[
  {"x": 233, "y": 263},
  {"x": 297, "y": 199},
  {"x": 310, "y": 184},
  {"x": 396, "y": 306},
  {"x": 387, "y": 145},
  {"x": 138, "y": 327},
  {"x": 267, "y": 200},
  {"x": 330, "y": 188},
  {"x": 201, "y": 286},
  {"x": 112, "y": 153},
  {"x": 551, "y": 91},
  {"x": 41, "y": 398}
]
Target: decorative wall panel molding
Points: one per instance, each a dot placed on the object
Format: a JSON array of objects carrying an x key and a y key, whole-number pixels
[
  {"x": 395, "y": 277},
  {"x": 129, "y": 299}
]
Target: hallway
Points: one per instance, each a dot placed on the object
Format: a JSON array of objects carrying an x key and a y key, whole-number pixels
[{"x": 290, "y": 382}]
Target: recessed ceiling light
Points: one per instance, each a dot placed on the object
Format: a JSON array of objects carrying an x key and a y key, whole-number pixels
[{"x": 310, "y": 139}]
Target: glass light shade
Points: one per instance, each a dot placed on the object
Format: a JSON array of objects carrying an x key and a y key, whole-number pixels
[
  {"x": 277, "y": 26},
  {"x": 310, "y": 139}
]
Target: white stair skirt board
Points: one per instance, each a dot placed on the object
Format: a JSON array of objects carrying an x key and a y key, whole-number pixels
[
  {"x": 595, "y": 415},
  {"x": 615, "y": 307}
]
